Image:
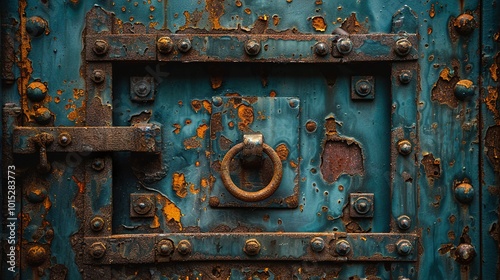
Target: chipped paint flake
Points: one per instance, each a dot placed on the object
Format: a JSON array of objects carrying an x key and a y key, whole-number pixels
[{"x": 319, "y": 24}]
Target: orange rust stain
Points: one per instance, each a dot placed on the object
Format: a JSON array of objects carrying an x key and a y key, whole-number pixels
[
  {"x": 24, "y": 64},
  {"x": 192, "y": 143},
  {"x": 432, "y": 11},
  {"x": 204, "y": 182},
  {"x": 72, "y": 116},
  {"x": 155, "y": 223},
  {"x": 293, "y": 164},
  {"x": 201, "y": 130},
  {"x": 248, "y": 11},
  {"x": 193, "y": 190},
  {"x": 230, "y": 124},
  {"x": 170, "y": 211},
  {"x": 38, "y": 85},
  {"x": 263, "y": 17},
  {"x": 187, "y": 122},
  {"x": 245, "y": 113},
  {"x": 179, "y": 184},
  {"x": 351, "y": 25},
  {"x": 443, "y": 89},
  {"x": 238, "y": 3},
  {"x": 491, "y": 102},
  {"x": 216, "y": 82},
  {"x": 47, "y": 204},
  {"x": 80, "y": 185},
  {"x": 59, "y": 92},
  {"x": 187, "y": 23},
  {"x": 465, "y": 83},
  {"x": 177, "y": 127},
  {"x": 197, "y": 164},
  {"x": 57, "y": 99},
  {"x": 429, "y": 30},
  {"x": 215, "y": 9},
  {"x": 318, "y": 23},
  {"x": 152, "y": 8},
  {"x": 208, "y": 106},
  {"x": 276, "y": 20},
  {"x": 341, "y": 156},
  {"x": 493, "y": 71},
  {"x": 272, "y": 93},
  {"x": 282, "y": 151},
  {"x": 77, "y": 93},
  {"x": 445, "y": 74},
  {"x": 319, "y": 2}
]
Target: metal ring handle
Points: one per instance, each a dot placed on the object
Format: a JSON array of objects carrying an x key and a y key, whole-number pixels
[{"x": 262, "y": 194}]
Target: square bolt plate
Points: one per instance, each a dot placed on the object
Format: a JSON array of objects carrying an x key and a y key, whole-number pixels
[
  {"x": 361, "y": 205},
  {"x": 362, "y": 87},
  {"x": 142, "y": 89},
  {"x": 142, "y": 205}
]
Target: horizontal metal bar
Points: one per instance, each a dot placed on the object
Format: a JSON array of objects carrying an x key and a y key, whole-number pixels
[
  {"x": 128, "y": 249},
  {"x": 283, "y": 48},
  {"x": 138, "y": 138}
]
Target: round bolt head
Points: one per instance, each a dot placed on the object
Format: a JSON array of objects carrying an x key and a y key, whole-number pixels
[
  {"x": 217, "y": 101},
  {"x": 362, "y": 205},
  {"x": 36, "y": 91},
  {"x": 342, "y": 247},
  {"x": 98, "y": 76},
  {"x": 64, "y": 139},
  {"x": 36, "y": 255},
  {"x": 344, "y": 45},
  {"x": 293, "y": 102},
  {"x": 101, "y": 47},
  {"x": 404, "y": 247},
  {"x": 165, "y": 247},
  {"x": 464, "y": 89},
  {"x": 405, "y": 77},
  {"x": 184, "y": 45},
  {"x": 311, "y": 126},
  {"x": 403, "y": 47},
  {"x": 97, "y": 223},
  {"x": 465, "y": 253},
  {"x": 464, "y": 193},
  {"x": 36, "y": 194},
  {"x": 97, "y": 250},
  {"x": 98, "y": 164},
  {"x": 252, "y": 47},
  {"x": 142, "y": 88},
  {"x": 165, "y": 45},
  {"x": 252, "y": 247},
  {"x": 184, "y": 247},
  {"x": 404, "y": 147},
  {"x": 43, "y": 116},
  {"x": 321, "y": 49},
  {"x": 36, "y": 26},
  {"x": 404, "y": 222},
  {"x": 317, "y": 244},
  {"x": 363, "y": 88},
  {"x": 142, "y": 205},
  {"x": 464, "y": 24}
]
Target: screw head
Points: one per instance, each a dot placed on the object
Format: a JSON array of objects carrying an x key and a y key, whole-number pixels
[
  {"x": 342, "y": 247},
  {"x": 344, "y": 45},
  {"x": 43, "y": 116},
  {"x": 184, "y": 45},
  {"x": 101, "y": 47},
  {"x": 464, "y": 193},
  {"x": 97, "y": 223},
  {"x": 404, "y": 247},
  {"x": 36, "y": 255},
  {"x": 165, "y": 247},
  {"x": 252, "y": 47},
  {"x": 321, "y": 49},
  {"x": 404, "y": 222},
  {"x": 142, "y": 88},
  {"x": 362, "y": 205},
  {"x": 98, "y": 76},
  {"x": 405, "y": 77},
  {"x": 363, "y": 88},
  {"x": 464, "y": 89},
  {"x": 404, "y": 147},
  {"x": 142, "y": 205},
  {"x": 64, "y": 139},
  {"x": 97, "y": 250},
  {"x": 165, "y": 45},
  {"x": 464, "y": 24},
  {"x": 317, "y": 244},
  {"x": 184, "y": 247},
  {"x": 98, "y": 164},
  {"x": 252, "y": 247},
  {"x": 465, "y": 253},
  {"x": 403, "y": 47}
]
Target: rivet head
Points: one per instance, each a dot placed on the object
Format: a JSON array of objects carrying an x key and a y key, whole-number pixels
[
  {"x": 404, "y": 222},
  {"x": 142, "y": 205},
  {"x": 342, "y": 247},
  {"x": 464, "y": 193},
  {"x": 362, "y": 205},
  {"x": 98, "y": 164},
  {"x": 142, "y": 88},
  {"x": 464, "y": 89},
  {"x": 98, "y": 76},
  {"x": 405, "y": 77},
  {"x": 165, "y": 45},
  {"x": 184, "y": 247},
  {"x": 36, "y": 194},
  {"x": 363, "y": 88},
  {"x": 97, "y": 224},
  {"x": 293, "y": 102},
  {"x": 403, "y": 47},
  {"x": 321, "y": 49},
  {"x": 311, "y": 126},
  {"x": 100, "y": 47},
  {"x": 165, "y": 247},
  {"x": 64, "y": 139},
  {"x": 404, "y": 247},
  {"x": 97, "y": 250},
  {"x": 36, "y": 91},
  {"x": 317, "y": 244},
  {"x": 43, "y": 116},
  {"x": 217, "y": 101},
  {"x": 36, "y": 26},
  {"x": 404, "y": 147},
  {"x": 252, "y": 47},
  {"x": 252, "y": 247},
  {"x": 184, "y": 45},
  {"x": 465, "y": 253},
  {"x": 344, "y": 45},
  {"x": 464, "y": 24},
  {"x": 36, "y": 255}
]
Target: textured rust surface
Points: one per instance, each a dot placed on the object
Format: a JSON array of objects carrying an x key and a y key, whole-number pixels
[
  {"x": 339, "y": 157},
  {"x": 432, "y": 166},
  {"x": 492, "y": 144},
  {"x": 442, "y": 90},
  {"x": 352, "y": 26}
]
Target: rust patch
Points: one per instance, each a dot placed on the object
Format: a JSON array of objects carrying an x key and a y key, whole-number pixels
[
  {"x": 443, "y": 89},
  {"x": 196, "y": 105},
  {"x": 318, "y": 23},
  {"x": 171, "y": 212},
  {"x": 432, "y": 166},
  {"x": 193, "y": 189},
  {"x": 491, "y": 102},
  {"x": 192, "y": 143},
  {"x": 276, "y": 20},
  {"x": 492, "y": 143},
  {"x": 282, "y": 151},
  {"x": 494, "y": 68},
  {"x": 248, "y": 11},
  {"x": 215, "y": 9},
  {"x": 201, "y": 130},
  {"x": 177, "y": 127},
  {"x": 238, "y": 3},
  {"x": 207, "y": 105},
  {"x": 77, "y": 93},
  {"x": 179, "y": 184},
  {"x": 339, "y": 157},
  {"x": 445, "y": 248},
  {"x": 224, "y": 143},
  {"x": 216, "y": 81},
  {"x": 155, "y": 223},
  {"x": 432, "y": 11},
  {"x": 79, "y": 184},
  {"x": 24, "y": 64},
  {"x": 245, "y": 113},
  {"x": 352, "y": 26},
  {"x": 215, "y": 125},
  {"x": 147, "y": 167}
]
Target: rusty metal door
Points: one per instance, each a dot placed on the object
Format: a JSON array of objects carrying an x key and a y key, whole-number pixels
[{"x": 245, "y": 139}]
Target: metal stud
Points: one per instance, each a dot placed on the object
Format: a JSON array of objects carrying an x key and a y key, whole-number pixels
[
  {"x": 97, "y": 250},
  {"x": 184, "y": 247},
  {"x": 98, "y": 76},
  {"x": 165, "y": 45},
  {"x": 404, "y": 247},
  {"x": 344, "y": 45},
  {"x": 97, "y": 224},
  {"x": 465, "y": 253},
  {"x": 101, "y": 47},
  {"x": 317, "y": 244},
  {"x": 252, "y": 247},
  {"x": 165, "y": 247},
  {"x": 404, "y": 147},
  {"x": 404, "y": 222},
  {"x": 321, "y": 49},
  {"x": 403, "y": 47},
  {"x": 342, "y": 247},
  {"x": 184, "y": 45},
  {"x": 252, "y": 47}
]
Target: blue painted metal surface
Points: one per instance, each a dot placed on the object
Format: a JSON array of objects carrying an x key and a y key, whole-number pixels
[{"x": 427, "y": 137}]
